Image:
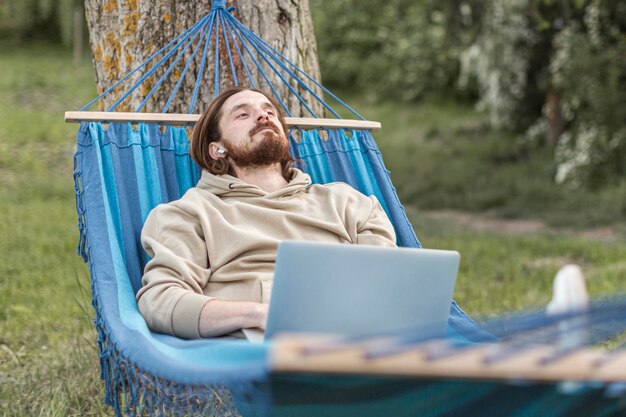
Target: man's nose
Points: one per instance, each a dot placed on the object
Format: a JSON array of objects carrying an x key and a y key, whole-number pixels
[{"x": 262, "y": 116}]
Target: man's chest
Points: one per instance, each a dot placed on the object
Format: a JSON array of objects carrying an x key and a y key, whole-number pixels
[{"x": 299, "y": 219}]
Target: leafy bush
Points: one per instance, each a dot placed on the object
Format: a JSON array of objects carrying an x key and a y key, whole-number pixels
[
  {"x": 555, "y": 70},
  {"x": 48, "y": 19},
  {"x": 589, "y": 72},
  {"x": 500, "y": 62},
  {"x": 399, "y": 49}
]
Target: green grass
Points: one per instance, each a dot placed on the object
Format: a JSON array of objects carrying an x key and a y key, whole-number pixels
[
  {"x": 441, "y": 156},
  {"x": 48, "y": 357},
  {"x": 510, "y": 272}
]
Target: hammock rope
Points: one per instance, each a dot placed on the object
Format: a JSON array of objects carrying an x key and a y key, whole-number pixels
[{"x": 220, "y": 29}]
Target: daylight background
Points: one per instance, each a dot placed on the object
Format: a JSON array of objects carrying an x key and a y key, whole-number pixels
[{"x": 503, "y": 127}]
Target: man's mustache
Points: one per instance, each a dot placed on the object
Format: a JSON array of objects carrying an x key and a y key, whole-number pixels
[{"x": 266, "y": 125}]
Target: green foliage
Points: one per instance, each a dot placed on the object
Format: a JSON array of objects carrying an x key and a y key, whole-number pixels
[
  {"x": 500, "y": 61},
  {"x": 16, "y": 17},
  {"x": 399, "y": 49},
  {"x": 65, "y": 16},
  {"x": 589, "y": 72},
  {"x": 553, "y": 70},
  {"x": 45, "y": 19},
  {"x": 571, "y": 52}
]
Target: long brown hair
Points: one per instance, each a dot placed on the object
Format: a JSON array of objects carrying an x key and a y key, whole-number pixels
[{"x": 207, "y": 130}]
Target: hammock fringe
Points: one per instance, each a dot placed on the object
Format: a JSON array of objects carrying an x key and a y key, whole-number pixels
[
  {"x": 81, "y": 249},
  {"x": 133, "y": 392}
]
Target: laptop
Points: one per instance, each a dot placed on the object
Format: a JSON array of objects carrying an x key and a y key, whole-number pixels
[{"x": 358, "y": 290}]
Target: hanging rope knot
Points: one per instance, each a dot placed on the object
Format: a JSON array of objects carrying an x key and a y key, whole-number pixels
[
  {"x": 231, "y": 9},
  {"x": 218, "y": 4}
]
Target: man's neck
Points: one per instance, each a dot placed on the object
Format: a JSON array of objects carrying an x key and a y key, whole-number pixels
[{"x": 268, "y": 178}]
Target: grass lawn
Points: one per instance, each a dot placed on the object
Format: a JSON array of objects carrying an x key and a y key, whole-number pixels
[
  {"x": 441, "y": 157},
  {"x": 48, "y": 358}
]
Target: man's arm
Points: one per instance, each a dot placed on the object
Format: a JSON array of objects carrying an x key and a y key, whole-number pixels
[
  {"x": 375, "y": 228},
  {"x": 171, "y": 299}
]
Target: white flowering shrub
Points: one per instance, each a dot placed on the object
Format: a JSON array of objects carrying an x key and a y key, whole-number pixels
[
  {"x": 588, "y": 70},
  {"x": 557, "y": 71},
  {"x": 500, "y": 61}
]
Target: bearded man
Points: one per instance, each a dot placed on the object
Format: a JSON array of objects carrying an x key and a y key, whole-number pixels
[{"x": 213, "y": 251}]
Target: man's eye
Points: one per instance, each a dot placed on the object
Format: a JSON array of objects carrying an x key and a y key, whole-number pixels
[
  {"x": 240, "y": 115},
  {"x": 271, "y": 113}
]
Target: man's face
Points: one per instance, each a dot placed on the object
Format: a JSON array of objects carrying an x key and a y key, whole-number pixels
[{"x": 251, "y": 131}]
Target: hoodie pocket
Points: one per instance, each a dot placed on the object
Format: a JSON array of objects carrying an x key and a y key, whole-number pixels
[{"x": 266, "y": 291}]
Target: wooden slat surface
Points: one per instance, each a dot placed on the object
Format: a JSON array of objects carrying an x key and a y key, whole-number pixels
[
  {"x": 182, "y": 119},
  {"x": 305, "y": 354}
]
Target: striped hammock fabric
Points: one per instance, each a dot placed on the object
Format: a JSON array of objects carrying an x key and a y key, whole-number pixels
[{"x": 121, "y": 172}]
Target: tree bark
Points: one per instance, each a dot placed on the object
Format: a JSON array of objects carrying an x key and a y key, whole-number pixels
[
  {"x": 555, "y": 123},
  {"x": 124, "y": 33}
]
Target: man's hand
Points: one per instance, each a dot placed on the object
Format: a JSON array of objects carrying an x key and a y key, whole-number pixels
[{"x": 221, "y": 317}]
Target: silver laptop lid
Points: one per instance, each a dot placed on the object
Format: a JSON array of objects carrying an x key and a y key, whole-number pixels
[{"x": 357, "y": 290}]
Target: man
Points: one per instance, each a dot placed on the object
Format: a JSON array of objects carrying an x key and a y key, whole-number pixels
[{"x": 213, "y": 251}]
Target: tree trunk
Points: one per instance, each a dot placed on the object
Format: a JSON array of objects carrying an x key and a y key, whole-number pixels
[
  {"x": 555, "y": 123},
  {"x": 124, "y": 33}
]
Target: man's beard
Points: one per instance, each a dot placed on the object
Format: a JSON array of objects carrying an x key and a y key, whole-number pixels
[{"x": 271, "y": 149}]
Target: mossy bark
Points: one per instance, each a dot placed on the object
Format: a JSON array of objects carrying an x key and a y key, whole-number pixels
[{"x": 124, "y": 33}]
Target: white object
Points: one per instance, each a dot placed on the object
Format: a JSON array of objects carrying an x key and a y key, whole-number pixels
[
  {"x": 356, "y": 290},
  {"x": 570, "y": 296},
  {"x": 569, "y": 291}
]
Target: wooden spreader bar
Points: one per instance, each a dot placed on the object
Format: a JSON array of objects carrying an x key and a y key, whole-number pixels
[
  {"x": 305, "y": 123},
  {"x": 293, "y": 353}
]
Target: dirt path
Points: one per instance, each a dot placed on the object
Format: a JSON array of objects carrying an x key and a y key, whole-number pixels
[{"x": 487, "y": 223}]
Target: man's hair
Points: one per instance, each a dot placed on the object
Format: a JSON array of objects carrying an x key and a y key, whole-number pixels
[{"x": 207, "y": 130}]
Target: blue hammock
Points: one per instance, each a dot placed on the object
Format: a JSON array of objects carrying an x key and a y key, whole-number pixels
[{"x": 123, "y": 170}]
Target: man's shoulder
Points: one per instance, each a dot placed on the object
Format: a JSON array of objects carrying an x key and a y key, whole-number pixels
[
  {"x": 338, "y": 185},
  {"x": 187, "y": 204},
  {"x": 340, "y": 189}
]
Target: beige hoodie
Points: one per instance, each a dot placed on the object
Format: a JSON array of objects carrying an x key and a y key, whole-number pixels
[{"x": 219, "y": 241}]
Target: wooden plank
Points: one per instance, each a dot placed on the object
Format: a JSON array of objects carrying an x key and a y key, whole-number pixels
[
  {"x": 183, "y": 119},
  {"x": 293, "y": 355},
  {"x": 613, "y": 369}
]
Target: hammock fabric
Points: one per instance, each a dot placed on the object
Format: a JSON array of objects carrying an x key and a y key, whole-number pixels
[{"x": 124, "y": 170}]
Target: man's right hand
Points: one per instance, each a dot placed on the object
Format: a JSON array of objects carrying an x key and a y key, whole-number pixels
[{"x": 218, "y": 317}]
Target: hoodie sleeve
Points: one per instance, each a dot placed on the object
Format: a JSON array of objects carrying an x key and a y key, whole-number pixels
[
  {"x": 375, "y": 228},
  {"x": 171, "y": 297}
]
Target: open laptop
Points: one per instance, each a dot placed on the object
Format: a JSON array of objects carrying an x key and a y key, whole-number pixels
[{"x": 356, "y": 290}]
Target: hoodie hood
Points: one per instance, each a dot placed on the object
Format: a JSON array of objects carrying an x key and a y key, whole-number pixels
[{"x": 229, "y": 186}]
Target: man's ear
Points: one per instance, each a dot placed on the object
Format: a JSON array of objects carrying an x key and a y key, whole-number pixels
[{"x": 216, "y": 151}]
